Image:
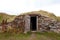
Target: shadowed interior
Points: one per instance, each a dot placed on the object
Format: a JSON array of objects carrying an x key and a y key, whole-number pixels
[{"x": 33, "y": 23}]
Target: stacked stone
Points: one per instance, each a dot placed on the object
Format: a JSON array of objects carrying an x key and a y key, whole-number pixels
[
  {"x": 19, "y": 20},
  {"x": 44, "y": 23},
  {"x": 48, "y": 24}
]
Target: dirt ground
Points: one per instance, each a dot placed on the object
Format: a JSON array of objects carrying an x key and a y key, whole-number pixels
[{"x": 34, "y": 36}]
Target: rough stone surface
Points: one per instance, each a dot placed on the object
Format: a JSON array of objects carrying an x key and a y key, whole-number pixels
[{"x": 22, "y": 23}]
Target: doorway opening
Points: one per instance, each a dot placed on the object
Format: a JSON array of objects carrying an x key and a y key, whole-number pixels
[{"x": 33, "y": 23}]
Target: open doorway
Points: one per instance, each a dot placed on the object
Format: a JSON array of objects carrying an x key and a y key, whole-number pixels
[{"x": 33, "y": 23}]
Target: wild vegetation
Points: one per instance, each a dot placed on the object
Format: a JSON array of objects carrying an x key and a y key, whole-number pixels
[
  {"x": 13, "y": 33},
  {"x": 4, "y": 16},
  {"x": 30, "y": 36},
  {"x": 11, "y": 17}
]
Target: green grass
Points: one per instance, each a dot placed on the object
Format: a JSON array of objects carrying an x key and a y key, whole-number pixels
[
  {"x": 51, "y": 35},
  {"x": 22, "y": 36},
  {"x": 14, "y": 36},
  {"x": 4, "y": 16}
]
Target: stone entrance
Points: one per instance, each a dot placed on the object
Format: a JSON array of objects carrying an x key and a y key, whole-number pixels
[{"x": 33, "y": 23}]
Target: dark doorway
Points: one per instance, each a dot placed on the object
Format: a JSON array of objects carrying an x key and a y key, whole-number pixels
[{"x": 33, "y": 25}]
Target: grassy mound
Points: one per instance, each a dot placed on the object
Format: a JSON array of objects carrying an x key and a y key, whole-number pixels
[{"x": 6, "y": 16}]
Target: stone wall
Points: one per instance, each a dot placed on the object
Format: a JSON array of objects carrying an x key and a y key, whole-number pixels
[
  {"x": 48, "y": 24},
  {"x": 27, "y": 23},
  {"x": 44, "y": 23},
  {"x": 22, "y": 24},
  {"x": 19, "y": 23}
]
